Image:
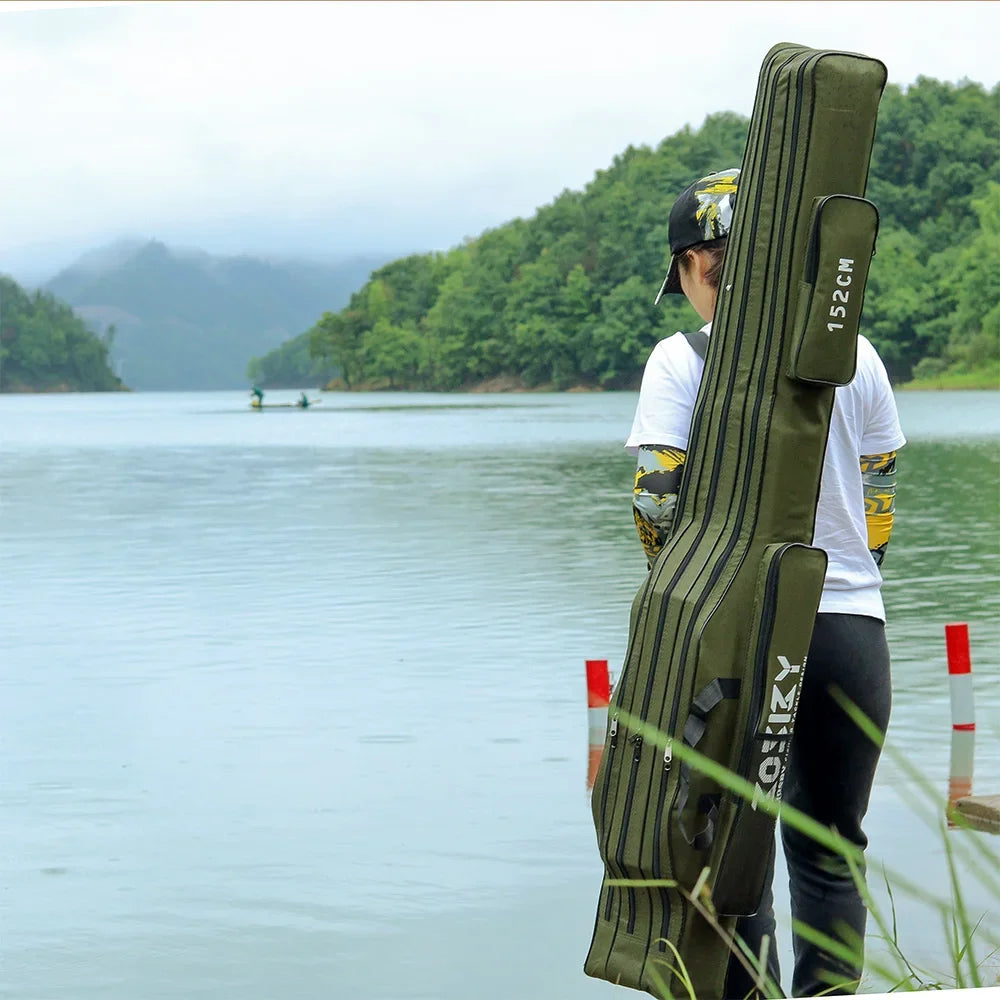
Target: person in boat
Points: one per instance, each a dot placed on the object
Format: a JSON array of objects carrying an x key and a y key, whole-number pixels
[
  {"x": 831, "y": 766},
  {"x": 303, "y": 401},
  {"x": 257, "y": 397}
]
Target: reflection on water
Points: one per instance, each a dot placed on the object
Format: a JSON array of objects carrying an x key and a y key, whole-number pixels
[{"x": 299, "y": 697}]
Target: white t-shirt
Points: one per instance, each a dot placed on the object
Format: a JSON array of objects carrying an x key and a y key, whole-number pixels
[{"x": 864, "y": 422}]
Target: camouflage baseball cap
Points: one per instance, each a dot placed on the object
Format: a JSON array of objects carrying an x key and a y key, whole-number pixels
[{"x": 702, "y": 212}]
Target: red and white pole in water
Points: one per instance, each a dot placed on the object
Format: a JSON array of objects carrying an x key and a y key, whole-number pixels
[
  {"x": 598, "y": 698},
  {"x": 963, "y": 712}
]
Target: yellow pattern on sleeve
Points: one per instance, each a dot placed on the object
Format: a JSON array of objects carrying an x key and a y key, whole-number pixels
[
  {"x": 654, "y": 496},
  {"x": 878, "y": 477}
]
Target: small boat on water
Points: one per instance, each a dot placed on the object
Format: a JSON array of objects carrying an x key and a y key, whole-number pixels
[{"x": 302, "y": 403}]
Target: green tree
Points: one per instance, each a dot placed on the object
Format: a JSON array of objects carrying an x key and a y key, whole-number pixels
[
  {"x": 395, "y": 353},
  {"x": 291, "y": 365},
  {"x": 898, "y": 303},
  {"x": 975, "y": 280},
  {"x": 451, "y": 357},
  {"x": 566, "y": 296},
  {"x": 45, "y": 346},
  {"x": 338, "y": 339}
]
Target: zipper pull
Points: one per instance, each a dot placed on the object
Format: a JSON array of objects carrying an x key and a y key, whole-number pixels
[
  {"x": 613, "y": 732},
  {"x": 637, "y": 746},
  {"x": 668, "y": 756}
]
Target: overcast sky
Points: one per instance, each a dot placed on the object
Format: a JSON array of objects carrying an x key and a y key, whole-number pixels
[{"x": 325, "y": 128}]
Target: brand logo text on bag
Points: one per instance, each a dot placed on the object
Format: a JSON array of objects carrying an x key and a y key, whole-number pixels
[
  {"x": 780, "y": 719},
  {"x": 841, "y": 295}
]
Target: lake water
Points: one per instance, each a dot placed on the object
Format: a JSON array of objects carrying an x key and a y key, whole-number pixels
[{"x": 292, "y": 703}]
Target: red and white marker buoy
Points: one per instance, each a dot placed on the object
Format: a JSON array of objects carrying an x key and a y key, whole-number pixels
[
  {"x": 963, "y": 709},
  {"x": 963, "y": 713},
  {"x": 598, "y": 699}
]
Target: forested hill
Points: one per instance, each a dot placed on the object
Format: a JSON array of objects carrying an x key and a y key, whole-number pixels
[
  {"x": 565, "y": 297},
  {"x": 45, "y": 347},
  {"x": 190, "y": 320}
]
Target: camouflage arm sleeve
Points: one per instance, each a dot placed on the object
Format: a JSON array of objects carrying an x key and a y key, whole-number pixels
[
  {"x": 654, "y": 496},
  {"x": 878, "y": 476}
]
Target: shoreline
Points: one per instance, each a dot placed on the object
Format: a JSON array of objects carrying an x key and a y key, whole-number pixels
[
  {"x": 502, "y": 386},
  {"x": 959, "y": 382}
]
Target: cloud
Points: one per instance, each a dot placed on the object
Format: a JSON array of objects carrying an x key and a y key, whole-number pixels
[{"x": 411, "y": 123}]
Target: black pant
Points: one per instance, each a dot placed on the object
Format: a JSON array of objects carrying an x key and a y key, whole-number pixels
[{"x": 831, "y": 767}]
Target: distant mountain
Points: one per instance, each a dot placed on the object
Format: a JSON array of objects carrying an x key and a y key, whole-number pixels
[{"x": 184, "y": 319}]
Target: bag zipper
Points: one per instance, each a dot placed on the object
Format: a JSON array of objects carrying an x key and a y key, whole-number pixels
[
  {"x": 620, "y": 856},
  {"x": 668, "y": 757},
  {"x": 612, "y": 745}
]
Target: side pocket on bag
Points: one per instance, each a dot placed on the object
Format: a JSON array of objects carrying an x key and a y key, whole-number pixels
[
  {"x": 788, "y": 594},
  {"x": 828, "y": 317}
]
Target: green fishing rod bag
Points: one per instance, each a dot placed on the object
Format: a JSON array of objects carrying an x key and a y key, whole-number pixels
[{"x": 720, "y": 629}]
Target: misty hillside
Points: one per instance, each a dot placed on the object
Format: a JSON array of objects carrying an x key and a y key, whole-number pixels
[
  {"x": 189, "y": 320},
  {"x": 565, "y": 298}
]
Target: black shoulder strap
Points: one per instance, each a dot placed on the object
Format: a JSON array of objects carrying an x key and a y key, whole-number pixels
[{"x": 698, "y": 342}]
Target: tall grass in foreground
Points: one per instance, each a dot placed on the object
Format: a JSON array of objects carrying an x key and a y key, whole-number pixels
[{"x": 964, "y": 934}]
